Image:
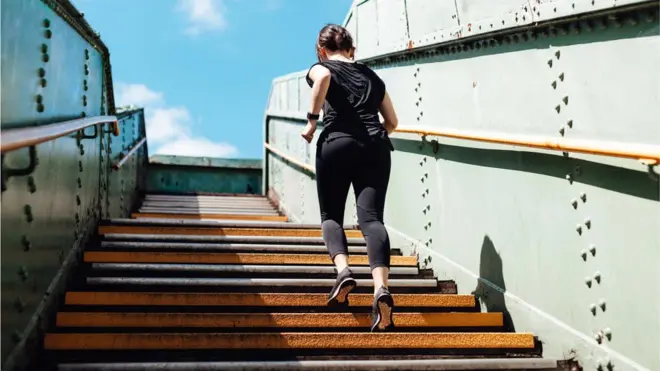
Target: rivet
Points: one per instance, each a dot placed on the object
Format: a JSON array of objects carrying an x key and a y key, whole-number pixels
[
  {"x": 40, "y": 107},
  {"x": 592, "y": 249},
  {"x": 27, "y": 209},
  {"x": 574, "y": 203},
  {"x": 48, "y": 34},
  {"x": 43, "y": 83},
  {"x": 31, "y": 185},
  {"x": 78, "y": 200},
  {"x": 550, "y": 63},
  {"x": 598, "y": 337},
  {"x": 569, "y": 177},
  {"x": 562, "y": 130},
  {"x": 557, "y": 54},
  {"x": 45, "y": 58},
  {"x": 587, "y": 222},
  {"x": 554, "y": 84},
  {"x": 565, "y": 99},
  {"x": 39, "y": 98},
  {"x": 561, "y": 76},
  {"x": 602, "y": 305},
  {"x": 41, "y": 72},
  {"x": 46, "y": 22},
  {"x": 558, "y": 108},
  {"x": 79, "y": 182},
  {"x": 44, "y": 48},
  {"x": 570, "y": 123},
  {"x": 583, "y": 253},
  {"x": 608, "y": 333},
  {"x": 578, "y": 228},
  {"x": 80, "y": 166},
  {"x": 27, "y": 245},
  {"x": 23, "y": 273},
  {"x": 597, "y": 276},
  {"x": 593, "y": 309}
]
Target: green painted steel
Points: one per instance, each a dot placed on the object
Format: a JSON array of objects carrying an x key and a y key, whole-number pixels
[
  {"x": 568, "y": 246},
  {"x": 187, "y": 175},
  {"x": 50, "y": 209}
]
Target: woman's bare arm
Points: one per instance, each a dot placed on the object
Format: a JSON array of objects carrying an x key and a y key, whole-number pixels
[
  {"x": 321, "y": 78},
  {"x": 390, "y": 121}
]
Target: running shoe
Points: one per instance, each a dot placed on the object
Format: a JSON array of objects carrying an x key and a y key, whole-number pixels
[
  {"x": 343, "y": 286},
  {"x": 382, "y": 309}
]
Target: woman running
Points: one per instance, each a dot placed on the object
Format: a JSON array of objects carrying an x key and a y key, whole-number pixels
[{"x": 353, "y": 148}]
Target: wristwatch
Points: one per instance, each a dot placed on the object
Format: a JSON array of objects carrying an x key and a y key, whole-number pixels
[{"x": 311, "y": 116}]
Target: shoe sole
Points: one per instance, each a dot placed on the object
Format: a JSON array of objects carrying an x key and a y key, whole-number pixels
[
  {"x": 384, "y": 321},
  {"x": 341, "y": 294}
]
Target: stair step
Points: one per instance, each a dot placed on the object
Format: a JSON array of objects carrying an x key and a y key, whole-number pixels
[
  {"x": 259, "y": 269},
  {"x": 326, "y": 365},
  {"x": 239, "y": 200},
  {"x": 215, "y": 224},
  {"x": 257, "y": 299},
  {"x": 237, "y": 239},
  {"x": 217, "y": 231},
  {"x": 208, "y": 203},
  {"x": 198, "y": 216},
  {"x": 229, "y": 258},
  {"x": 205, "y": 210},
  {"x": 251, "y": 282},
  {"x": 272, "y": 248},
  {"x": 273, "y": 320},
  {"x": 346, "y": 340}
]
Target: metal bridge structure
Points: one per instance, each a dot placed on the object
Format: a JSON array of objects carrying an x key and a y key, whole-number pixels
[{"x": 523, "y": 209}]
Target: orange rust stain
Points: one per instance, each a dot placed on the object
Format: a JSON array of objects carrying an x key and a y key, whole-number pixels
[
  {"x": 285, "y": 320},
  {"x": 257, "y": 299},
  {"x": 219, "y": 231},
  {"x": 295, "y": 340},
  {"x": 270, "y": 218},
  {"x": 229, "y": 258}
]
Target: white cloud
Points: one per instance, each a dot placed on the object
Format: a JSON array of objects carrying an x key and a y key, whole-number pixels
[
  {"x": 203, "y": 15},
  {"x": 184, "y": 146},
  {"x": 137, "y": 94},
  {"x": 169, "y": 129}
]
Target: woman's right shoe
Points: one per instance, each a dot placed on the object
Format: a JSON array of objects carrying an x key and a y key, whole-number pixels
[
  {"x": 343, "y": 286},
  {"x": 382, "y": 318}
]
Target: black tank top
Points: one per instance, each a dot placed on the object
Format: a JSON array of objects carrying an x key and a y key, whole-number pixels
[{"x": 352, "y": 101}]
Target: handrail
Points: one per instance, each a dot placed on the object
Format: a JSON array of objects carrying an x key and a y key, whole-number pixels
[
  {"x": 12, "y": 139},
  {"x": 636, "y": 151},
  {"x": 289, "y": 158},
  {"x": 129, "y": 154},
  {"x": 647, "y": 153}
]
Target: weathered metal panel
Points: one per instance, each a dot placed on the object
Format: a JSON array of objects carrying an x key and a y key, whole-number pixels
[
  {"x": 391, "y": 23},
  {"x": 536, "y": 234},
  {"x": 52, "y": 73},
  {"x": 367, "y": 28},
  {"x": 433, "y": 21}
]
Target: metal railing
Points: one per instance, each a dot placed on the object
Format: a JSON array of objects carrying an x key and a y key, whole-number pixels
[
  {"x": 128, "y": 154},
  {"x": 12, "y": 139},
  {"x": 648, "y": 154}
]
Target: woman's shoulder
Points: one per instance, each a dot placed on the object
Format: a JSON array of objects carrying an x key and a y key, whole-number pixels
[{"x": 316, "y": 69}]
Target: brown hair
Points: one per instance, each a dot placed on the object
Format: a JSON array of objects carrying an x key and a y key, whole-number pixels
[{"x": 334, "y": 38}]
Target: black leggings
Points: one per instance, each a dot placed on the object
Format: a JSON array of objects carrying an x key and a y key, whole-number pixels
[{"x": 365, "y": 164}]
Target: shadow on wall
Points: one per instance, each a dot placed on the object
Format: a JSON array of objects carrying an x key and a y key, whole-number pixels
[
  {"x": 492, "y": 295},
  {"x": 617, "y": 179}
]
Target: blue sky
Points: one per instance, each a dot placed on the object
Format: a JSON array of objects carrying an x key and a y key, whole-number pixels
[{"x": 203, "y": 68}]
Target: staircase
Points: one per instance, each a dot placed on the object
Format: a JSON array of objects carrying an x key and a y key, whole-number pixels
[{"x": 226, "y": 283}]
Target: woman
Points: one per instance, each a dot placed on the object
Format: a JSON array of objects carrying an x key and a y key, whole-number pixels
[{"x": 353, "y": 148}]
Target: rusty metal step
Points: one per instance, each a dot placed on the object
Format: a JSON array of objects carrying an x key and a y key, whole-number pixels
[
  {"x": 214, "y": 224},
  {"x": 271, "y": 320},
  {"x": 326, "y": 365},
  {"x": 296, "y": 340},
  {"x": 234, "y": 247},
  {"x": 198, "y": 216},
  {"x": 305, "y": 300},
  {"x": 230, "y": 258},
  {"x": 289, "y": 240},
  {"x": 308, "y": 270},
  {"x": 218, "y": 231}
]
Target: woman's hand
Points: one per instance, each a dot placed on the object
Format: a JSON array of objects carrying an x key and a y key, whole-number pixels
[{"x": 308, "y": 131}]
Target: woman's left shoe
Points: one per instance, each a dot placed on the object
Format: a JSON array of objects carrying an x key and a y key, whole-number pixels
[{"x": 382, "y": 318}]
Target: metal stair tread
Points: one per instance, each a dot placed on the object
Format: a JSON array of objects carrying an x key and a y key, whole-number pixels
[
  {"x": 289, "y": 340},
  {"x": 221, "y": 231},
  {"x": 279, "y": 319},
  {"x": 228, "y": 246},
  {"x": 244, "y": 239},
  {"x": 243, "y": 268},
  {"x": 229, "y": 224},
  {"x": 128, "y": 298},
  {"x": 323, "y": 365},
  {"x": 269, "y": 282}
]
